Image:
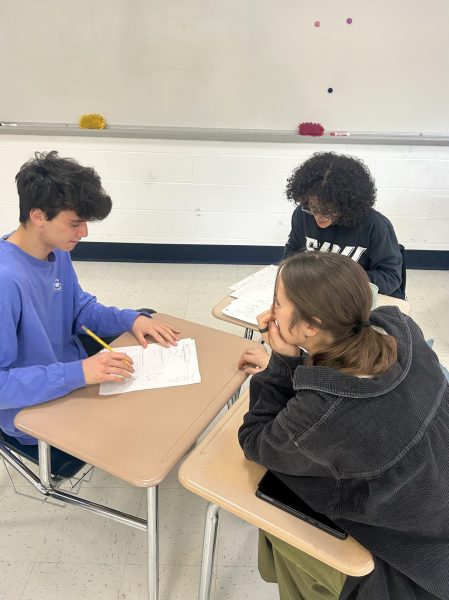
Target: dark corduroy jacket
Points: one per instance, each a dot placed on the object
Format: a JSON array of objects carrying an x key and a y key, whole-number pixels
[{"x": 372, "y": 454}]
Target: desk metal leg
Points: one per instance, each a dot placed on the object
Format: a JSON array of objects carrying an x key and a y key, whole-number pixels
[
  {"x": 45, "y": 485},
  {"x": 248, "y": 334},
  {"x": 153, "y": 541},
  {"x": 209, "y": 544}
]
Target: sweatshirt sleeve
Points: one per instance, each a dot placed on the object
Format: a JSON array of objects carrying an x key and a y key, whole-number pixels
[
  {"x": 103, "y": 320},
  {"x": 271, "y": 428},
  {"x": 26, "y": 386},
  {"x": 385, "y": 260},
  {"x": 296, "y": 240}
]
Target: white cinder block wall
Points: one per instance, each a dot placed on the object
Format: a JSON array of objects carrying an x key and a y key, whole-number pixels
[{"x": 191, "y": 192}]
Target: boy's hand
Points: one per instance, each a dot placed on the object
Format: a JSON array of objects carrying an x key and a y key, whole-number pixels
[
  {"x": 107, "y": 366},
  {"x": 164, "y": 334}
]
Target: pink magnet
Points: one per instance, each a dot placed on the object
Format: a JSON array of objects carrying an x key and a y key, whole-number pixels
[
  {"x": 349, "y": 20},
  {"x": 317, "y": 23}
]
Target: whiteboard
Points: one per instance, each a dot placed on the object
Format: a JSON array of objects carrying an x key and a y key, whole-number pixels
[{"x": 233, "y": 64}]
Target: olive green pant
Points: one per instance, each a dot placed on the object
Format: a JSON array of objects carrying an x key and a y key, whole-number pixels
[{"x": 298, "y": 575}]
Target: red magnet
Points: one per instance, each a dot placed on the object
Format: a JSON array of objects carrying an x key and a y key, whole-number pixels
[{"x": 314, "y": 129}]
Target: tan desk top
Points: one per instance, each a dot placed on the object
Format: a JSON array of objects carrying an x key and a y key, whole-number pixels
[
  {"x": 218, "y": 471},
  {"x": 382, "y": 300},
  {"x": 140, "y": 436}
]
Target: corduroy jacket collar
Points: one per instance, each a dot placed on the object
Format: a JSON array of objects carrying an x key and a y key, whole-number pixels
[{"x": 331, "y": 381}]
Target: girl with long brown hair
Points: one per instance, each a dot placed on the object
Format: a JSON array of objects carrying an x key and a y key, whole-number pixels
[{"x": 352, "y": 414}]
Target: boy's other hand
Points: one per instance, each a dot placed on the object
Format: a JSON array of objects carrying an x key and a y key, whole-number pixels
[{"x": 162, "y": 333}]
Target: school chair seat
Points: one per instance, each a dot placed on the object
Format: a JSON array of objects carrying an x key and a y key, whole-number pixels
[{"x": 63, "y": 465}]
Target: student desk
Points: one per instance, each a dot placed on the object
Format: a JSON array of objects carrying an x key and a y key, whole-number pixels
[
  {"x": 140, "y": 436},
  {"x": 218, "y": 471},
  {"x": 217, "y": 312}
]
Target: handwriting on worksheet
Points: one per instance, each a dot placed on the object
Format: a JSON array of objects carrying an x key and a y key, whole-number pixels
[{"x": 158, "y": 367}]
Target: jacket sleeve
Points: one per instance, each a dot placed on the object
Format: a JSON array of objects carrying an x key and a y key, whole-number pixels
[
  {"x": 103, "y": 320},
  {"x": 296, "y": 240},
  {"x": 27, "y": 386},
  {"x": 271, "y": 428},
  {"x": 385, "y": 260}
]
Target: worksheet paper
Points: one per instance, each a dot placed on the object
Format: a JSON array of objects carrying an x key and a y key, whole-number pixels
[
  {"x": 157, "y": 367},
  {"x": 265, "y": 276},
  {"x": 246, "y": 309},
  {"x": 254, "y": 295}
]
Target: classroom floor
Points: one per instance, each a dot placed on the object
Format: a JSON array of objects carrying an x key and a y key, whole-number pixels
[{"x": 53, "y": 552}]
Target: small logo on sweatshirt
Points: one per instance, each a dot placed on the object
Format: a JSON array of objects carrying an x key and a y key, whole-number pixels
[{"x": 57, "y": 285}]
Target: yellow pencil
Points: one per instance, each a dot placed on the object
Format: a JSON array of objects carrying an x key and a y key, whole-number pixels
[{"x": 100, "y": 341}]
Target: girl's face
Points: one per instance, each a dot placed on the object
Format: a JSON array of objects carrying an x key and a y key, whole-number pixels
[
  {"x": 302, "y": 334},
  {"x": 322, "y": 220}
]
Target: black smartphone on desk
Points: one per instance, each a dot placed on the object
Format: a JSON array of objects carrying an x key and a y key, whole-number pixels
[{"x": 273, "y": 490}]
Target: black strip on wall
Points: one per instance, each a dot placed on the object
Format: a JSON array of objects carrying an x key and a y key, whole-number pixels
[{"x": 244, "y": 255}]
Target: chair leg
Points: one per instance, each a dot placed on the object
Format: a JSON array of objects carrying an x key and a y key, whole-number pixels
[
  {"x": 209, "y": 545},
  {"x": 75, "y": 482},
  {"x": 9, "y": 475}
]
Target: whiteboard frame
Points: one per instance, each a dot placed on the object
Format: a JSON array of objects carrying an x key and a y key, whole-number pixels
[{"x": 223, "y": 135}]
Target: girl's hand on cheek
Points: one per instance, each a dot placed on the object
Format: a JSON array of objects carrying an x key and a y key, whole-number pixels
[{"x": 277, "y": 342}]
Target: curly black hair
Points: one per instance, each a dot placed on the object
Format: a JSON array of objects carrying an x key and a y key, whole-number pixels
[
  {"x": 340, "y": 184},
  {"x": 54, "y": 184}
]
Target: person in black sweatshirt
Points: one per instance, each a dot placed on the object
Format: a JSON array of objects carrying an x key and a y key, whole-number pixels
[
  {"x": 335, "y": 195},
  {"x": 352, "y": 414}
]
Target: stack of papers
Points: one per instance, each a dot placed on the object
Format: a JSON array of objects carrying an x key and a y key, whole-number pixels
[
  {"x": 157, "y": 367},
  {"x": 253, "y": 295}
]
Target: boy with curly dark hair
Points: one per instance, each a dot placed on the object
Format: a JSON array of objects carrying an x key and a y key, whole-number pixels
[{"x": 335, "y": 195}]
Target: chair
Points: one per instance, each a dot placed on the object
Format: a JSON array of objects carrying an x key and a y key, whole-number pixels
[
  {"x": 50, "y": 478},
  {"x": 62, "y": 466},
  {"x": 218, "y": 471},
  {"x": 403, "y": 270}
]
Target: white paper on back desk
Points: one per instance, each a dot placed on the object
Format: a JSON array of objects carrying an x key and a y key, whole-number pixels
[
  {"x": 158, "y": 367},
  {"x": 253, "y": 295}
]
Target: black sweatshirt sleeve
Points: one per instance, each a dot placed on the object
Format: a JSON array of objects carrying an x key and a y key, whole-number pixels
[
  {"x": 385, "y": 260},
  {"x": 297, "y": 239},
  {"x": 274, "y": 422}
]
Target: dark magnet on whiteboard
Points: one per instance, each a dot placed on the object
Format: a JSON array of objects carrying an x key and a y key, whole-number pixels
[
  {"x": 330, "y": 90},
  {"x": 349, "y": 20}
]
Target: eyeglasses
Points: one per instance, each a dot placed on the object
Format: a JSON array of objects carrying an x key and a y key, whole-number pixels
[{"x": 316, "y": 213}]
